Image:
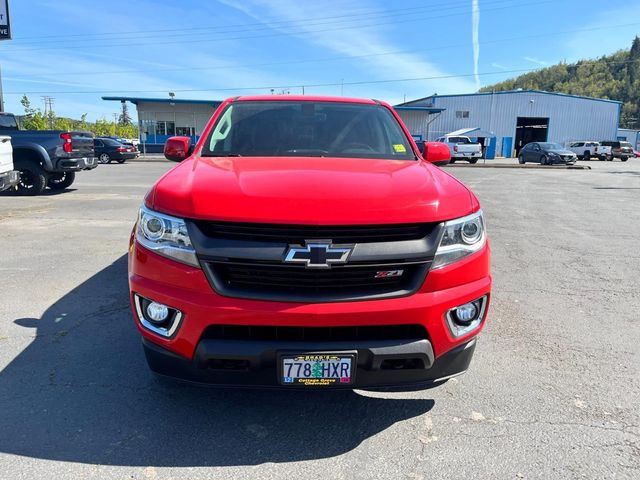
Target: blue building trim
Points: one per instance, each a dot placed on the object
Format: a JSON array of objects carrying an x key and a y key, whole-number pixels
[
  {"x": 506, "y": 92},
  {"x": 136, "y": 100}
]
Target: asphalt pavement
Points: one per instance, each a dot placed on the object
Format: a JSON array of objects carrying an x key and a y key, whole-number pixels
[{"x": 553, "y": 390}]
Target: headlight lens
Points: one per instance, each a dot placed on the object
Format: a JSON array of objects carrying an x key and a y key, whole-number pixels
[
  {"x": 461, "y": 237},
  {"x": 165, "y": 235}
]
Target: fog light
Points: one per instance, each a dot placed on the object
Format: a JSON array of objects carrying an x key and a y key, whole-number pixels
[
  {"x": 466, "y": 313},
  {"x": 157, "y": 317},
  {"x": 467, "y": 317},
  {"x": 157, "y": 312}
]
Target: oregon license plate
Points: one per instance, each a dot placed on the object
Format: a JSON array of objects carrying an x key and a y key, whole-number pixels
[{"x": 321, "y": 369}]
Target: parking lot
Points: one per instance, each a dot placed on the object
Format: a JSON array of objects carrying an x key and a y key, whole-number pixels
[{"x": 553, "y": 390}]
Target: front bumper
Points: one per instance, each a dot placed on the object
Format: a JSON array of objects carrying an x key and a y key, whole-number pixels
[
  {"x": 259, "y": 362},
  {"x": 76, "y": 164},
  {"x": 187, "y": 354},
  {"x": 9, "y": 179}
]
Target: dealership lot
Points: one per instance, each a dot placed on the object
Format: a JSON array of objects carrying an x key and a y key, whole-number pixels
[{"x": 553, "y": 390}]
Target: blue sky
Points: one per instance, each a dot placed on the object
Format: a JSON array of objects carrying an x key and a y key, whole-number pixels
[{"x": 79, "y": 50}]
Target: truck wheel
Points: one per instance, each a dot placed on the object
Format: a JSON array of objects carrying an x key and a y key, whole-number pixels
[
  {"x": 33, "y": 179},
  {"x": 474, "y": 161},
  {"x": 624, "y": 159},
  {"x": 104, "y": 158},
  {"x": 453, "y": 160},
  {"x": 587, "y": 155},
  {"x": 60, "y": 181}
]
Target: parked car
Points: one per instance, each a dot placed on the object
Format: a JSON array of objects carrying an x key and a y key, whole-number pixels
[
  {"x": 108, "y": 149},
  {"x": 305, "y": 242},
  {"x": 636, "y": 153},
  {"x": 546, "y": 153},
  {"x": 47, "y": 158},
  {"x": 129, "y": 142},
  {"x": 8, "y": 176},
  {"x": 585, "y": 150},
  {"x": 621, "y": 150},
  {"x": 462, "y": 148}
]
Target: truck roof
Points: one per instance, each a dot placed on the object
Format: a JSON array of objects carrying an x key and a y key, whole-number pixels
[{"x": 303, "y": 98}]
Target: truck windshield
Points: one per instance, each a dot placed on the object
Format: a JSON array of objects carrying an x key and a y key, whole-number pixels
[
  {"x": 463, "y": 140},
  {"x": 309, "y": 129},
  {"x": 8, "y": 122}
]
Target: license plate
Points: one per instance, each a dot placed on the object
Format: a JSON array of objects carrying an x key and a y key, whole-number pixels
[{"x": 317, "y": 369}]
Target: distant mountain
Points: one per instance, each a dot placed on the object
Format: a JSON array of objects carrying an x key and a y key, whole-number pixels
[{"x": 616, "y": 77}]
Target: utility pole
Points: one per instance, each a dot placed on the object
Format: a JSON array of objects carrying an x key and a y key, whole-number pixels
[
  {"x": 115, "y": 122},
  {"x": 1, "y": 95},
  {"x": 48, "y": 109},
  {"x": 5, "y": 34}
]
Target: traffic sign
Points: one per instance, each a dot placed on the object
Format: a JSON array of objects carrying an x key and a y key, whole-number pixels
[{"x": 5, "y": 25}]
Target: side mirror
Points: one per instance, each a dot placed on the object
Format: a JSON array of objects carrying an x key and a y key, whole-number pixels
[
  {"x": 437, "y": 153},
  {"x": 177, "y": 148}
]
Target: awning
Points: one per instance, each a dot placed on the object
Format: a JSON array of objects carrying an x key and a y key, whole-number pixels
[{"x": 476, "y": 132}]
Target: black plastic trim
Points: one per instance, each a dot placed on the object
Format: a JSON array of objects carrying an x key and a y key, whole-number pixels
[{"x": 261, "y": 358}]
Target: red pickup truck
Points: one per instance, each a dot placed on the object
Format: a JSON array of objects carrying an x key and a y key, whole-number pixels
[{"x": 306, "y": 242}]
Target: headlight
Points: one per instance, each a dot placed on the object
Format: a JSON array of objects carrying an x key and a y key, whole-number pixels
[
  {"x": 461, "y": 237},
  {"x": 165, "y": 235}
]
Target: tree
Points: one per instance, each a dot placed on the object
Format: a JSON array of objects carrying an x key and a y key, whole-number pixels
[
  {"x": 33, "y": 119},
  {"x": 124, "y": 119}
]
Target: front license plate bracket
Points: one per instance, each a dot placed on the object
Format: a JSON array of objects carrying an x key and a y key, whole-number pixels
[{"x": 317, "y": 369}]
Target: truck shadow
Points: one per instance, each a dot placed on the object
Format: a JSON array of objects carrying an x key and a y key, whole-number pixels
[{"x": 81, "y": 392}]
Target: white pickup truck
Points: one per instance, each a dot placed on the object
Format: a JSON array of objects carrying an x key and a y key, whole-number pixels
[
  {"x": 586, "y": 150},
  {"x": 8, "y": 176},
  {"x": 462, "y": 148}
]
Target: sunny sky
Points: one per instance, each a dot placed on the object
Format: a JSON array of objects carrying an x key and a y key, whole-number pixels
[{"x": 79, "y": 50}]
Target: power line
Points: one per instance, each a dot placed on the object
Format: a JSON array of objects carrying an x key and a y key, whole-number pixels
[
  {"x": 317, "y": 85},
  {"x": 326, "y": 59},
  {"x": 307, "y": 32}
]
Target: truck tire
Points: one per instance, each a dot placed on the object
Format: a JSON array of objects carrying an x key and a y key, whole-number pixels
[
  {"x": 624, "y": 159},
  {"x": 474, "y": 161},
  {"x": 60, "y": 181},
  {"x": 453, "y": 160},
  {"x": 587, "y": 155},
  {"x": 33, "y": 178}
]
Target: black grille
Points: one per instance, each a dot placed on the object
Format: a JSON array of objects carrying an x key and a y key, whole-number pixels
[
  {"x": 299, "y": 233},
  {"x": 296, "y": 283},
  {"x": 315, "y": 334}
]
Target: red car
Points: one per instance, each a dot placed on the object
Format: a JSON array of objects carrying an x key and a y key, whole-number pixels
[{"x": 306, "y": 242}]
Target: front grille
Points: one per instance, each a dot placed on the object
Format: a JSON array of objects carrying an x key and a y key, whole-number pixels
[
  {"x": 296, "y": 283},
  {"x": 247, "y": 260},
  {"x": 257, "y": 232},
  {"x": 315, "y": 334}
]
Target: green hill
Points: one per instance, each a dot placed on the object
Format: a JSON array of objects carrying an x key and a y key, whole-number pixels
[{"x": 616, "y": 77}]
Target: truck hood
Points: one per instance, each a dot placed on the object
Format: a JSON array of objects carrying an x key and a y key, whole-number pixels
[{"x": 304, "y": 190}]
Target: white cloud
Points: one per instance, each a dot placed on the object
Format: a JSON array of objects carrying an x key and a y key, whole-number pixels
[
  {"x": 499, "y": 66},
  {"x": 475, "y": 33},
  {"x": 536, "y": 61},
  {"x": 356, "y": 42}
]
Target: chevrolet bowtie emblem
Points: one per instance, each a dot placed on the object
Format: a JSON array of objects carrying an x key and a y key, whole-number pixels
[{"x": 318, "y": 254}]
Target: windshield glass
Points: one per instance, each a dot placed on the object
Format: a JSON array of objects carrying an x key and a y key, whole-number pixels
[
  {"x": 463, "y": 140},
  {"x": 8, "y": 121},
  {"x": 305, "y": 128},
  {"x": 551, "y": 146},
  {"x": 625, "y": 144}
]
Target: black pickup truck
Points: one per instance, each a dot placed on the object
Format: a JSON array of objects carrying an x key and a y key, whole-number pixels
[{"x": 47, "y": 158}]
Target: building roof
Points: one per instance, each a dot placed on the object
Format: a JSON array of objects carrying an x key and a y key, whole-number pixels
[
  {"x": 136, "y": 100},
  {"x": 421, "y": 109},
  {"x": 471, "y": 132},
  {"x": 507, "y": 92}
]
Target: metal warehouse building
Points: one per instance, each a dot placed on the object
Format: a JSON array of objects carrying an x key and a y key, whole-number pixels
[
  {"x": 505, "y": 121},
  {"x": 161, "y": 118}
]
